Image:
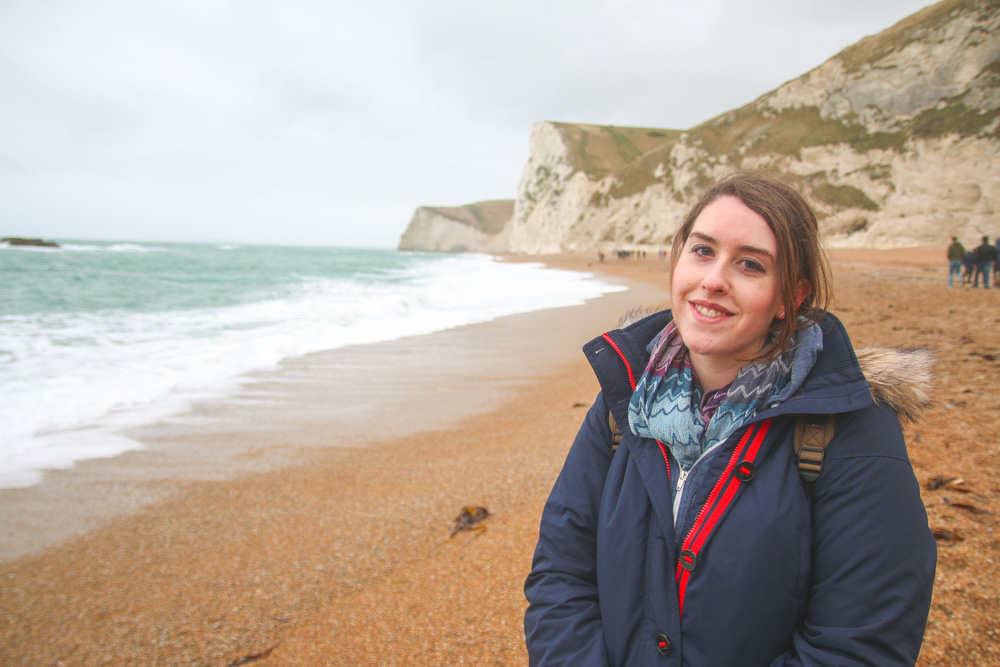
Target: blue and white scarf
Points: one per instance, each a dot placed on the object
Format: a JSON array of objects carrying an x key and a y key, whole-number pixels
[{"x": 667, "y": 401}]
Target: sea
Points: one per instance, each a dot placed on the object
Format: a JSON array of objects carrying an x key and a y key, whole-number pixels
[{"x": 96, "y": 337}]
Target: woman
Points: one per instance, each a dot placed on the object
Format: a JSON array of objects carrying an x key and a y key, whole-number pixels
[{"x": 696, "y": 541}]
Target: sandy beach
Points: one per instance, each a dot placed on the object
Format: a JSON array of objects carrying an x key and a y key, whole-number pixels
[{"x": 306, "y": 520}]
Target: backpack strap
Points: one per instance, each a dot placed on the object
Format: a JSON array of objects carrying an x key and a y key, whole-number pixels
[
  {"x": 812, "y": 434},
  {"x": 616, "y": 433}
]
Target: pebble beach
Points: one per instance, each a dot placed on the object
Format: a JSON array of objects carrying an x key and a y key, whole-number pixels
[{"x": 311, "y": 524}]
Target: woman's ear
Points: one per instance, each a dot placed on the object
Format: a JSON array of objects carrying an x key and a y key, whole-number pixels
[{"x": 801, "y": 292}]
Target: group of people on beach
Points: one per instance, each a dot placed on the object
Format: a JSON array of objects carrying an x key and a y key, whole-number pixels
[
  {"x": 740, "y": 492},
  {"x": 626, "y": 254},
  {"x": 971, "y": 265}
]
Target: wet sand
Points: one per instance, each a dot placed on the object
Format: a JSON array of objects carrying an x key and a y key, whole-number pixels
[{"x": 309, "y": 515}]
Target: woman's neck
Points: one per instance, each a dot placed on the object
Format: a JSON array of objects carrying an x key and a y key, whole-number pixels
[{"x": 713, "y": 373}]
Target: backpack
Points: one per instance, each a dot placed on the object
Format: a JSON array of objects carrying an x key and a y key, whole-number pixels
[{"x": 811, "y": 436}]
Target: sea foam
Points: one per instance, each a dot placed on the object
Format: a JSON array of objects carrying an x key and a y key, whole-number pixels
[{"x": 72, "y": 379}]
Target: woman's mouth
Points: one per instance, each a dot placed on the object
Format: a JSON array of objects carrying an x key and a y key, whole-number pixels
[{"x": 708, "y": 311}]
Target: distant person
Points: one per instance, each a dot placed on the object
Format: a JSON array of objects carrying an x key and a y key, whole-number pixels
[
  {"x": 970, "y": 266},
  {"x": 956, "y": 253},
  {"x": 996, "y": 262},
  {"x": 691, "y": 534},
  {"x": 985, "y": 257}
]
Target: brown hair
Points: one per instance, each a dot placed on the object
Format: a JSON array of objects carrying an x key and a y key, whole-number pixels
[{"x": 800, "y": 257}]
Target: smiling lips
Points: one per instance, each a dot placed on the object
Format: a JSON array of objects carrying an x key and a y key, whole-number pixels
[{"x": 708, "y": 311}]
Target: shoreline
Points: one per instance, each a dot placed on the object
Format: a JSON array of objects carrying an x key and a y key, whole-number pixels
[
  {"x": 330, "y": 554},
  {"x": 277, "y": 415}
]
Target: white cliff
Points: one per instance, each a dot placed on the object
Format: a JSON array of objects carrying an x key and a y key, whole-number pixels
[
  {"x": 472, "y": 228},
  {"x": 896, "y": 139},
  {"x": 901, "y": 149}
]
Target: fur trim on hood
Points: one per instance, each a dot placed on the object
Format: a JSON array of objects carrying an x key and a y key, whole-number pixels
[
  {"x": 898, "y": 377},
  {"x": 633, "y": 315}
]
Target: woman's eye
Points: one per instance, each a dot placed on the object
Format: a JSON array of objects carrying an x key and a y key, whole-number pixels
[
  {"x": 752, "y": 265},
  {"x": 702, "y": 250}
]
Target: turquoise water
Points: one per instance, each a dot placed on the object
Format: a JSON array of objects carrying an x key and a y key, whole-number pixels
[
  {"x": 98, "y": 336},
  {"x": 92, "y": 277}
]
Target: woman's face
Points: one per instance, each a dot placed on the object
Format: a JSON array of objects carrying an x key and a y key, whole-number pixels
[{"x": 725, "y": 290}]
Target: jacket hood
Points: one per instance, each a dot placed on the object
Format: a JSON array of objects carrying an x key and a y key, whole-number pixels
[{"x": 900, "y": 378}]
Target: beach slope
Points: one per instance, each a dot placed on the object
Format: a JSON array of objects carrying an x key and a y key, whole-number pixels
[{"x": 337, "y": 551}]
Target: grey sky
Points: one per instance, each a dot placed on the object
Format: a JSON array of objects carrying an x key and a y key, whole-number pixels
[{"x": 328, "y": 123}]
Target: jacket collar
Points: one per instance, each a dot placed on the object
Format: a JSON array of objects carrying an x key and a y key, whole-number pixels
[{"x": 838, "y": 382}]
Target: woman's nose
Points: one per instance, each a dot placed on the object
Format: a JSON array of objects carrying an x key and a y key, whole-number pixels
[{"x": 717, "y": 279}]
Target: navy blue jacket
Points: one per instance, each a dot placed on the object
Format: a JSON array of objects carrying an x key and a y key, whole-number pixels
[{"x": 758, "y": 570}]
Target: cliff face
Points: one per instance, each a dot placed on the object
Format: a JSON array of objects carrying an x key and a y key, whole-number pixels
[
  {"x": 472, "y": 228},
  {"x": 587, "y": 187},
  {"x": 896, "y": 139}
]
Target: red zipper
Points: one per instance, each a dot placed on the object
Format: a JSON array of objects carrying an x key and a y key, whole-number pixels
[
  {"x": 628, "y": 366},
  {"x": 705, "y": 523},
  {"x": 666, "y": 458},
  {"x": 692, "y": 544}
]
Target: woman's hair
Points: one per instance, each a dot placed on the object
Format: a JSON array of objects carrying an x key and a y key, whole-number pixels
[{"x": 800, "y": 257}]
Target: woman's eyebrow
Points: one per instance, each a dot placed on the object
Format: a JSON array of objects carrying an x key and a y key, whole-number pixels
[{"x": 743, "y": 248}]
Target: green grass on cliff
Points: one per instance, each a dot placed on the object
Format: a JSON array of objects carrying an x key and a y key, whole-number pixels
[
  {"x": 755, "y": 132},
  {"x": 600, "y": 150},
  {"x": 639, "y": 158},
  {"x": 843, "y": 196},
  {"x": 639, "y": 175},
  {"x": 955, "y": 118},
  {"x": 913, "y": 28},
  {"x": 488, "y": 217}
]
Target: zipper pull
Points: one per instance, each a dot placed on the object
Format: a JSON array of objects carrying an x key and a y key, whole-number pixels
[{"x": 679, "y": 491}]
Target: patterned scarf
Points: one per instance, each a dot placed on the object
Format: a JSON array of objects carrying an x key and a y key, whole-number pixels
[{"x": 668, "y": 403}]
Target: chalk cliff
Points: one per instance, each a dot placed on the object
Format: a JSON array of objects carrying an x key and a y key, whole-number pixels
[
  {"x": 472, "y": 228},
  {"x": 896, "y": 139}
]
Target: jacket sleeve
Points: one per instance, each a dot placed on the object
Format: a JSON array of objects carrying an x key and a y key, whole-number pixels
[
  {"x": 563, "y": 621},
  {"x": 873, "y": 553}
]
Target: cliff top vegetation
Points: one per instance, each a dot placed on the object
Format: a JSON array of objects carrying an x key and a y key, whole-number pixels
[{"x": 488, "y": 217}]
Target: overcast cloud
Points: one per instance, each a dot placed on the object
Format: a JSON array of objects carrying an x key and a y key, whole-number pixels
[{"x": 328, "y": 123}]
